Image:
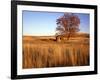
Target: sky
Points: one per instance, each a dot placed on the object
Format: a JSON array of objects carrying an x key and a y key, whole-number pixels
[{"x": 44, "y": 23}]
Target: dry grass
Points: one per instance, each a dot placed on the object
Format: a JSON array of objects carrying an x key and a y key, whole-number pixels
[{"x": 39, "y": 53}]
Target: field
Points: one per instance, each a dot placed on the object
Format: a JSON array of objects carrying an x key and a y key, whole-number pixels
[{"x": 45, "y": 51}]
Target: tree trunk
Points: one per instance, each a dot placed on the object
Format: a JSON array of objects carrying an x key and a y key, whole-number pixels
[{"x": 68, "y": 36}]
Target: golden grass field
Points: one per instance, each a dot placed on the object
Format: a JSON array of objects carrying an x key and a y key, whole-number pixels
[{"x": 42, "y": 52}]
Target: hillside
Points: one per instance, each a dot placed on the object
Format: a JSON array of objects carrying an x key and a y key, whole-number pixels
[{"x": 76, "y": 37}]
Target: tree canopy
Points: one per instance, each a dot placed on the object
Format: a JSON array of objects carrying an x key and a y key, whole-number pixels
[{"x": 67, "y": 24}]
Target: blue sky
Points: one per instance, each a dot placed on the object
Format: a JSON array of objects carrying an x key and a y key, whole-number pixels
[{"x": 44, "y": 23}]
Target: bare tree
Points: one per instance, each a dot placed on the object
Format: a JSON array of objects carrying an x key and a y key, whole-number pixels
[{"x": 68, "y": 24}]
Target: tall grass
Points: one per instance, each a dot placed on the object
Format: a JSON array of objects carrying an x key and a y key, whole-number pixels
[{"x": 39, "y": 55}]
